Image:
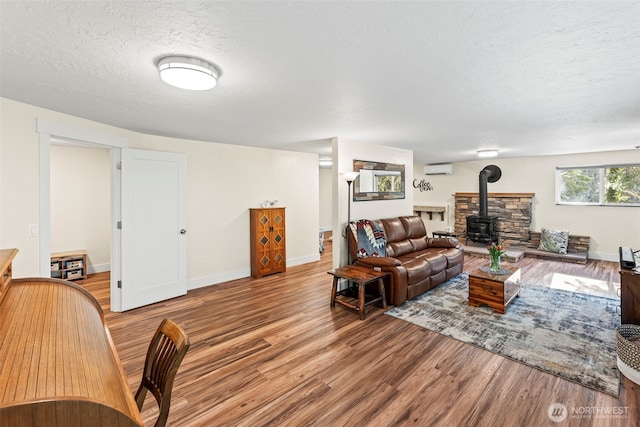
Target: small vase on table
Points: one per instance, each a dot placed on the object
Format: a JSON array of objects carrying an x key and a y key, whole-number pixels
[
  {"x": 495, "y": 252},
  {"x": 494, "y": 266}
]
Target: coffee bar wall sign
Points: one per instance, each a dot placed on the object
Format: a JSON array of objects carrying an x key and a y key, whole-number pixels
[
  {"x": 378, "y": 181},
  {"x": 423, "y": 185}
]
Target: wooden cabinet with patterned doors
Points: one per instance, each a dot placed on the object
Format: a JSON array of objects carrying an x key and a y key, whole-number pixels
[{"x": 268, "y": 243}]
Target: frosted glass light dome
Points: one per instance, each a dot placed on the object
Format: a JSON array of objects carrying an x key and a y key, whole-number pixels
[{"x": 188, "y": 73}]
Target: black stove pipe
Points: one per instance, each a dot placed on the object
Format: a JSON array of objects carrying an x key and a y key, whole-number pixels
[
  {"x": 482, "y": 192},
  {"x": 490, "y": 173}
]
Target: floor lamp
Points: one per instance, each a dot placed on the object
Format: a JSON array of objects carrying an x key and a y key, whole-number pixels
[{"x": 349, "y": 177}]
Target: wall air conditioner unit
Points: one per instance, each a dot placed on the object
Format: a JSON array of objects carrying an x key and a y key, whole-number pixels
[{"x": 441, "y": 169}]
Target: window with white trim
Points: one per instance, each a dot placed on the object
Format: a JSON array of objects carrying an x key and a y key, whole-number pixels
[{"x": 609, "y": 185}]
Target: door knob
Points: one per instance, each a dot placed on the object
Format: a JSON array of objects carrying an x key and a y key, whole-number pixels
[{"x": 183, "y": 231}]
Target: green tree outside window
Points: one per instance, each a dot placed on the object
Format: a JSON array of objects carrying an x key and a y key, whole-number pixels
[{"x": 610, "y": 185}]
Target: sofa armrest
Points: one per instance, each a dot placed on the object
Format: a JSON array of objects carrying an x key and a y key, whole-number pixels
[
  {"x": 397, "y": 289},
  {"x": 443, "y": 242},
  {"x": 374, "y": 261}
]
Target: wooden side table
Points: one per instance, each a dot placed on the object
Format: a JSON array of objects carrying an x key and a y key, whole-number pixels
[
  {"x": 494, "y": 290},
  {"x": 447, "y": 234},
  {"x": 361, "y": 276}
]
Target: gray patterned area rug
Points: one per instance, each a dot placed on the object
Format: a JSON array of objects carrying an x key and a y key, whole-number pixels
[{"x": 568, "y": 334}]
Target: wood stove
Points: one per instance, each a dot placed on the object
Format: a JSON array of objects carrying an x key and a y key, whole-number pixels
[{"x": 483, "y": 228}]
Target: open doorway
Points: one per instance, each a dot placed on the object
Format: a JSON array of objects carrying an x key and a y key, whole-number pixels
[
  {"x": 49, "y": 131},
  {"x": 325, "y": 203},
  {"x": 80, "y": 185}
]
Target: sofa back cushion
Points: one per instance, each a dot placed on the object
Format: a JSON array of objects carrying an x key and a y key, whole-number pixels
[
  {"x": 416, "y": 232},
  {"x": 393, "y": 229},
  {"x": 399, "y": 248},
  {"x": 397, "y": 242},
  {"x": 404, "y": 235},
  {"x": 414, "y": 226}
]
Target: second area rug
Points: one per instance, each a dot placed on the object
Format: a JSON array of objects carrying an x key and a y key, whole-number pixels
[{"x": 568, "y": 334}]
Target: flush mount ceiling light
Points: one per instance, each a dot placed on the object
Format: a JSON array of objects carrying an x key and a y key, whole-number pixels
[
  {"x": 489, "y": 152},
  {"x": 325, "y": 162},
  {"x": 187, "y": 73}
]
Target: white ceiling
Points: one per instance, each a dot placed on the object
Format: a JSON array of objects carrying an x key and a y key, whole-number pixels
[{"x": 440, "y": 78}]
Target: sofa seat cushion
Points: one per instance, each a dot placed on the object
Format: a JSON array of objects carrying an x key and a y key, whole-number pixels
[
  {"x": 437, "y": 261},
  {"x": 436, "y": 257},
  {"x": 453, "y": 256},
  {"x": 417, "y": 269}
]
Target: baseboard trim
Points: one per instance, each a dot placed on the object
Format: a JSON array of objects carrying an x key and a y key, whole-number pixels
[
  {"x": 227, "y": 276},
  {"x": 98, "y": 268},
  {"x": 214, "y": 279},
  {"x": 303, "y": 260}
]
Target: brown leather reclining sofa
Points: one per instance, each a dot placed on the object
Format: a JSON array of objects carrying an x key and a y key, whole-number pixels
[{"x": 416, "y": 262}]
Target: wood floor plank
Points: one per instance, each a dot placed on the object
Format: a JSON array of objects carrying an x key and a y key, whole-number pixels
[{"x": 271, "y": 351}]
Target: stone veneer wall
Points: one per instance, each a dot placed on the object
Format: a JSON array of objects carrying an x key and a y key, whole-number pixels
[{"x": 513, "y": 211}]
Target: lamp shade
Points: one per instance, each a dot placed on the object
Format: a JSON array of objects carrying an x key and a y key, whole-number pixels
[
  {"x": 187, "y": 73},
  {"x": 349, "y": 176}
]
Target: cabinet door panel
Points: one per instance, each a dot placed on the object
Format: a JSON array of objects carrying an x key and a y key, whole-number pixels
[
  {"x": 278, "y": 253},
  {"x": 268, "y": 247}
]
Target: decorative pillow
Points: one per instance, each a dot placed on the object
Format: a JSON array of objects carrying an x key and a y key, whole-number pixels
[{"x": 554, "y": 241}]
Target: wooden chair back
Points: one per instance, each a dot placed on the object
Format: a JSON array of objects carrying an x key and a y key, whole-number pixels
[{"x": 166, "y": 351}]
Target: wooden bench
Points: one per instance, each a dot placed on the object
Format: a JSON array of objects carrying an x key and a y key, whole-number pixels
[{"x": 577, "y": 249}]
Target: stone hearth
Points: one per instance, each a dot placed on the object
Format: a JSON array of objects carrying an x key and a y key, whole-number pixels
[{"x": 512, "y": 209}]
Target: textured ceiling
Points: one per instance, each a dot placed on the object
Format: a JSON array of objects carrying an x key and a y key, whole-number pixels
[{"x": 440, "y": 78}]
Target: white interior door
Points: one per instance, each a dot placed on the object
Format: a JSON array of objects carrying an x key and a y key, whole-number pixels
[{"x": 154, "y": 248}]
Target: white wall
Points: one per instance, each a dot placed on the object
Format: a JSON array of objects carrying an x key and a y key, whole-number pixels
[
  {"x": 326, "y": 197},
  {"x": 223, "y": 182},
  {"x": 608, "y": 226},
  {"x": 81, "y": 203},
  {"x": 344, "y": 153}
]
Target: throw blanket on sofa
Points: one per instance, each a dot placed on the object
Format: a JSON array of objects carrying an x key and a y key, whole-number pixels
[{"x": 371, "y": 239}]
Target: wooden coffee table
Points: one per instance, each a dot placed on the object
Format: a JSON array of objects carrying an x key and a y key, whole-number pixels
[
  {"x": 494, "y": 290},
  {"x": 362, "y": 276}
]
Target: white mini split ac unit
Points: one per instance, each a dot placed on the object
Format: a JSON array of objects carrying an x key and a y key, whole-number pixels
[{"x": 442, "y": 169}]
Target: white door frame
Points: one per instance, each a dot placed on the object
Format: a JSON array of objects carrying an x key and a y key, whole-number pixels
[{"x": 50, "y": 129}]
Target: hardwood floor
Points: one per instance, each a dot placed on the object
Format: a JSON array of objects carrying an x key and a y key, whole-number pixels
[{"x": 271, "y": 351}]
